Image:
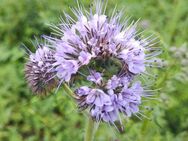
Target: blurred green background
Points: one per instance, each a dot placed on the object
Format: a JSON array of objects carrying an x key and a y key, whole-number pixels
[{"x": 24, "y": 117}]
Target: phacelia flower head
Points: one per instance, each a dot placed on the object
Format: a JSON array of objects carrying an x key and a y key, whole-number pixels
[{"x": 108, "y": 54}]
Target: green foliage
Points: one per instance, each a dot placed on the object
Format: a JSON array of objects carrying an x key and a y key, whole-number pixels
[{"x": 27, "y": 117}]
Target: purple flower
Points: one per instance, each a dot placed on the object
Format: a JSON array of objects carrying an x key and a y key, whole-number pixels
[
  {"x": 113, "y": 83},
  {"x": 106, "y": 113},
  {"x": 84, "y": 58},
  {"x": 95, "y": 77},
  {"x": 98, "y": 98},
  {"x": 134, "y": 56},
  {"x": 66, "y": 69},
  {"x": 83, "y": 91},
  {"x": 110, "y": 112},
  {"x": 130, "y": 99}
]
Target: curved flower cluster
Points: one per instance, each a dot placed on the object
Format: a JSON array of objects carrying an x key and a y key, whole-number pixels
[
  {"x": 109, "y": 55},
  {"x": 118, "y": 96},
  {"x": 97, "y": 37}
]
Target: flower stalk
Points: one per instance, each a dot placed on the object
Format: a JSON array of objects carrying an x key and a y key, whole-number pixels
[
  {"x": 89, "y": 134},
  {"x": 68, "y": 90}
]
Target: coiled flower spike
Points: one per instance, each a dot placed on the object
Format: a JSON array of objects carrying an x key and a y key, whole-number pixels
[{"x": 39, "y": 70}]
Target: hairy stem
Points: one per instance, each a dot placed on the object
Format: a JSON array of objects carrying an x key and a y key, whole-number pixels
[
  {"x": 89, "y": 134},
  {"x": 68, "y": 90}
]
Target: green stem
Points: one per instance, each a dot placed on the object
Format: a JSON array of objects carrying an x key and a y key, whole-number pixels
[
  {"x": 89, "y": 134},
  {"x": 68, "y": 90}
]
